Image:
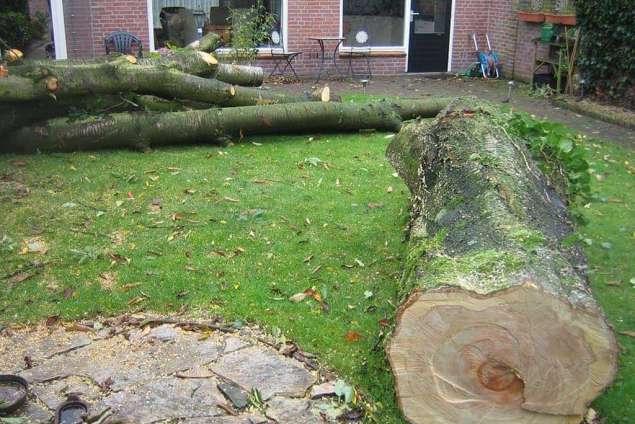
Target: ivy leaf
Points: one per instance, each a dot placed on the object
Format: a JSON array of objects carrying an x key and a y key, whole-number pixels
[{"x": 565, "y": 145}]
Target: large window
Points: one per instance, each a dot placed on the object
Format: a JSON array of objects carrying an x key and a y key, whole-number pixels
[
  {"x": 180, "y": 22},
  {"x": 221, "y": 17},
  {"x": 381, "y": 22}
]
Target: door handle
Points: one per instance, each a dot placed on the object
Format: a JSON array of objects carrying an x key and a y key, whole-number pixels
[{"x": 413, "y": 14}]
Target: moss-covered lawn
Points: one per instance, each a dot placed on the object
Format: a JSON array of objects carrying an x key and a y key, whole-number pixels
[{"x": 236, "y": 231}]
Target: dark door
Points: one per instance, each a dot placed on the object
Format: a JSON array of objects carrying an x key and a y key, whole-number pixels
[{"x": 429, "y": 35}]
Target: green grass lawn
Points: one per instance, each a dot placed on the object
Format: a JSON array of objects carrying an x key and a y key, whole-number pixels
[{"x": 236, "y": 231}]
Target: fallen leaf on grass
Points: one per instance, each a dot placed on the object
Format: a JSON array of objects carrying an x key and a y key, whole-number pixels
[
  {"x": 117, "y": 258},
  {"x": 18, "y": 162},
  {"x": 52, "y": 320},
  {"x": 231, "y": 199},
  {"x": 311, "y": 293},
  {"x": 136, "y": 300},
  {"x": 353, "y": 336},
  {"x": 68, "y": 292},
  {"x": 34, "y": 245},
  {"x": 117, "y": 237},
  {"x": 189, "y": 191},
  {"x": 107, "y": 280},
  {"x": 20, "y": 277},
  {"x": 298, "y": 297},
  {"x": 384, "y": 322},
  {"x": 128, "y": 287},
  {"x": 628, "y": 333}
]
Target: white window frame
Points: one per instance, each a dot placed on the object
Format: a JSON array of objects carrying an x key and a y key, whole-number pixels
[
  {"x": 59, "y": 29},
  {"x": 283, "y": 26},
  {"x": 403, "y": 48}
]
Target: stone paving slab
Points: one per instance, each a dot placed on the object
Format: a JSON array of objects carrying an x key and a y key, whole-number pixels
[
  {"x": 162, "y": 374},
  {"x": 265, "y": 369}
]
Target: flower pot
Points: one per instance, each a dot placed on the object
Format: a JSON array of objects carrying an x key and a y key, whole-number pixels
[
  {"x": 536, "y": 17},
  {"x": 560, "y": 19}
]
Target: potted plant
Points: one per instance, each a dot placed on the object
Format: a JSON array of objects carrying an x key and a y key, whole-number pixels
[
  {"x": 563, "y": 13},
  {"x": 250, "y": 28},
  {"x": 531, "y": 11}
]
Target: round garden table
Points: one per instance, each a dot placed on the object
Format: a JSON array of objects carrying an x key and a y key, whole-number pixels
[{"x": 324, "y": 57}]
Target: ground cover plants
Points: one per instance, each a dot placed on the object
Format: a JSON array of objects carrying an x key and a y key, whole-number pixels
[{"x": 303, "y": 234}]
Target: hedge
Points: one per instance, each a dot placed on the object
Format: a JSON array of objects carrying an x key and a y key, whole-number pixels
[{"x": 607, "y": 49}]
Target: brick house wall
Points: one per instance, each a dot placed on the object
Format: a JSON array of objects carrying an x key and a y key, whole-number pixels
[
  {"x": 119, "y": 15},
  {"x": 89, "y": 21},
  {"x": 510, "y": 37},
  {"x": 525, "y": 50},
  {"x": 307, "y": 18}
]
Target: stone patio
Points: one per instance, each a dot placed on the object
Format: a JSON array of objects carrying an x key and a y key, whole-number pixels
[{"x": 143, "y": 371}]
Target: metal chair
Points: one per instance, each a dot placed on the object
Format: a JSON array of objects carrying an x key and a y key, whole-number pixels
[
  {"x": 359, "y": 49},
  {"x": 123, "y": 42},
  {"x": 279, "y": 55}
]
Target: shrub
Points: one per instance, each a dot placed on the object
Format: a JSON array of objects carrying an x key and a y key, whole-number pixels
[
  {"x": 607, "y": 50},
  {"x": 16, "y": 29},
  {"x": 250, "y": 29}
]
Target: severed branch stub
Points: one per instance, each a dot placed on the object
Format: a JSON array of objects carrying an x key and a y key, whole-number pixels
[{"x": 498, "y": 324}]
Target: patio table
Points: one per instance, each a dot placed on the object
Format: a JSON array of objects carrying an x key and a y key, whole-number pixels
[{"x": 323, "y": 57}]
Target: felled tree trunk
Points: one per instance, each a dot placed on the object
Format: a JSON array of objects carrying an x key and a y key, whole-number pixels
[
  {"x": 123, "y": 76},
  {"x": 143, "y": 130},
  {"x": 193, "y": 62},
  {"x": 17, "y": 115},
  {"x": 247, "y": 76},
  {"x": 189, "y": 61},
  {"x": 499, "y": 324}
]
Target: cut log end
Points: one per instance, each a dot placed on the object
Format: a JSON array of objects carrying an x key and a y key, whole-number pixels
[
  {"x": 13, "y": 55},
  {"x": 131, "y": 59},
  {"x": 518, "y": 355},
  {"x": 208, "y": 58},
  {"x": 325, "y": 95},
  {"x": 52, "y": 84}
]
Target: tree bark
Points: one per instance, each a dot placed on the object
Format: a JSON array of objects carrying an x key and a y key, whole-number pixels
[
  {"x": 122, "y": 76},
  {"x": 246, "y": 76},
  {"x": 17, "y": 115},
  {"x": 211, "y": 126},
  {"x": 208, "y": 43},
  {"x": 189, "y": 61},
  {"x": 499, "y": 324}
]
